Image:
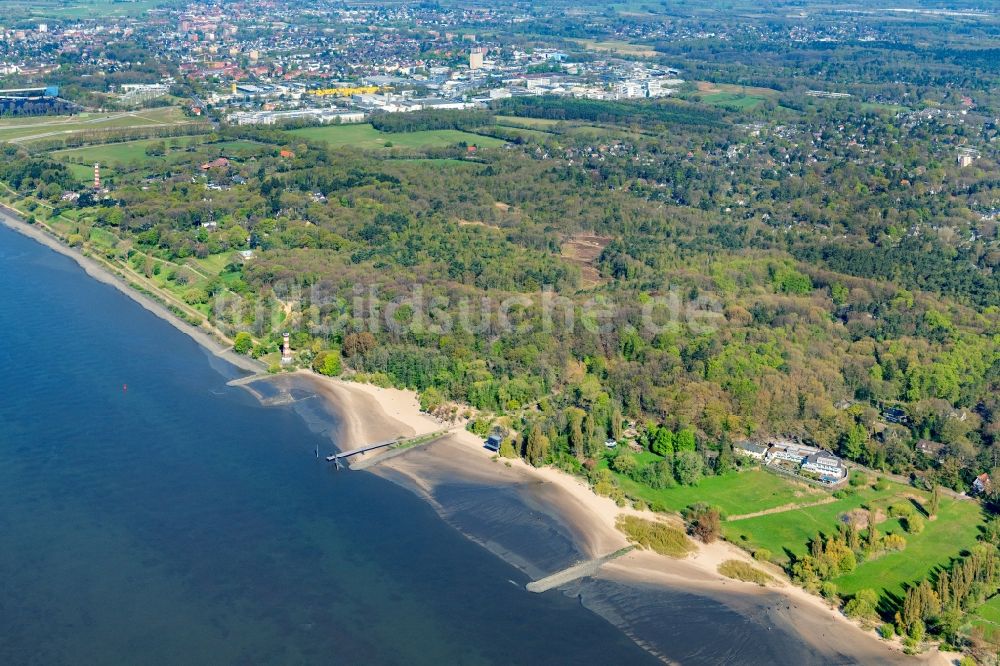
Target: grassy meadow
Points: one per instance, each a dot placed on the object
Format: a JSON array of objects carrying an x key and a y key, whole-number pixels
[{"x": 367, "y": 137}]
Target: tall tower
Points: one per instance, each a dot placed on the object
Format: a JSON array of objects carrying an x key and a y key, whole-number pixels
[
  {"x": 286, "y": 349},
  {"x": 476, "y": 57},
  {"x": 97, "y": 175}
]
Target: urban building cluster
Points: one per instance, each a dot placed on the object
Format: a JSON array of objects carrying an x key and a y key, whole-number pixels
[{"x": 264, "y": 63}]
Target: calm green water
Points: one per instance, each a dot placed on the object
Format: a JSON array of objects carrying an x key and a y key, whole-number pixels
[{"x": 178, "y": 522}]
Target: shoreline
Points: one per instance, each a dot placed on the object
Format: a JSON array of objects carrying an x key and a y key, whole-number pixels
[
  {"x": 368, "y": 413},
  {"x": 10, "y": 218},
  {"x": 590, "y": 519}
]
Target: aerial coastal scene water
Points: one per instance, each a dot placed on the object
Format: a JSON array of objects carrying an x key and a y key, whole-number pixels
[
  {"x": 150, "y": 513},
  {"x": 458, "y": 332},
  {"x": 148, "y": 509}
]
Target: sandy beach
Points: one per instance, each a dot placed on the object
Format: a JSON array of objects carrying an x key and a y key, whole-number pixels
[
  {"x": 566, "y": 521},
  {"x": 370, "y": 413}
]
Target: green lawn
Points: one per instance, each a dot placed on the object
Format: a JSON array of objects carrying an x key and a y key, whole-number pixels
[
  {"x": 213, "y": 264},
  {"x": 126, "y": 152},
  {"x": 82, "y": 172},
  {"x": 792, "y": 530},
  {"x": 731, "y": 100},
  {"x": 954, "y": 530},
  {"x": 366, "y": 136},
  {"x": 987, "y": 616},
  {"x": 103, "y": 238},
  {"x": 240, "y": 145},
  {"x": 735, "y": 493},
  {"x": 527, "y": 134}
]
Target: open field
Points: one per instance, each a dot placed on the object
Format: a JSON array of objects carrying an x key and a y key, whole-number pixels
[
  {"x": 79, "y": 10},
  {"x": 615, "y": 46},
  {"x": 987, "y": 617},
  {"x": 584, "y": 250},
  {"x": 955, "y": 529},
  {"x": 736, "y": 97},
  {"x": 366, "y": 136},
  {"x": 45, "y": 127},
  {"x": 734, "y": 493},
  {"x": 887, "y": 108},
  {"x": 526, "y": 134},
  {"x": 790, "y": 531},
  {"x": 737, "y": 101},
  {"x": 527, "y": 123},
  {"x": 121, "y": 153}
]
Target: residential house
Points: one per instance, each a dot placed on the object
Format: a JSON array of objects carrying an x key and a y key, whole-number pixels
[
  {"x": 750, "y": 449},
  {"x": 933, "y": 450},
  {"x": 982, "y": 483},
  {"x": 895, "y": 415},
  {"x": 826, "y": 465}
]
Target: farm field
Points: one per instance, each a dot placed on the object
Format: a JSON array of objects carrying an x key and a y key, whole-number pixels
[
  {"x": 366, "y": 136},
  {"x": 80, "y": 10},
  {"x": 616, "y": 46}
]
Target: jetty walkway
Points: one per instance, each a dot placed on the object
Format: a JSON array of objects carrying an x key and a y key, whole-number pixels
[{"x": 575, "y": 572}]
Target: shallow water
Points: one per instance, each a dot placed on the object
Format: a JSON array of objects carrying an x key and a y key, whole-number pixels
[{"x": 151, "y": 514}]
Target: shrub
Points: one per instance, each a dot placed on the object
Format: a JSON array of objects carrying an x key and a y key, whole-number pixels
[
  {"x": 624, "y": 462},
  {"x": 901, "y": 510},
  {"x": 507, "y": 449},
  {"x": 657, "y": 476},
  {"x": 829, "y": 590},
  {"x": 604, "y": 488},
  {"x": 862, "y": 606},
  {"x": 762, "y": 555},
  {"x": 688, "y": 468},
  {"x": 894, "y": 542},
  {"x": 887, "y": 631},
  {"x": 327, "y": 363},
  {"x": 738, "y": 570},
  {"x": 660, "y": 537},
  {"x": 704, "y": 522},
  {"x": 914, "y": 524},
  {"x": 243, "y": 342}
]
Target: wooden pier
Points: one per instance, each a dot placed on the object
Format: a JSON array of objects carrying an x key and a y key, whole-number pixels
[{"x": 399, "y": 444}]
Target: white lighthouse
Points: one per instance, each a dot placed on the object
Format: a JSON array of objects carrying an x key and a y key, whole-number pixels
[
  {"x": 97, "y": 175},
  {"x": 286, "y": 349}
]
